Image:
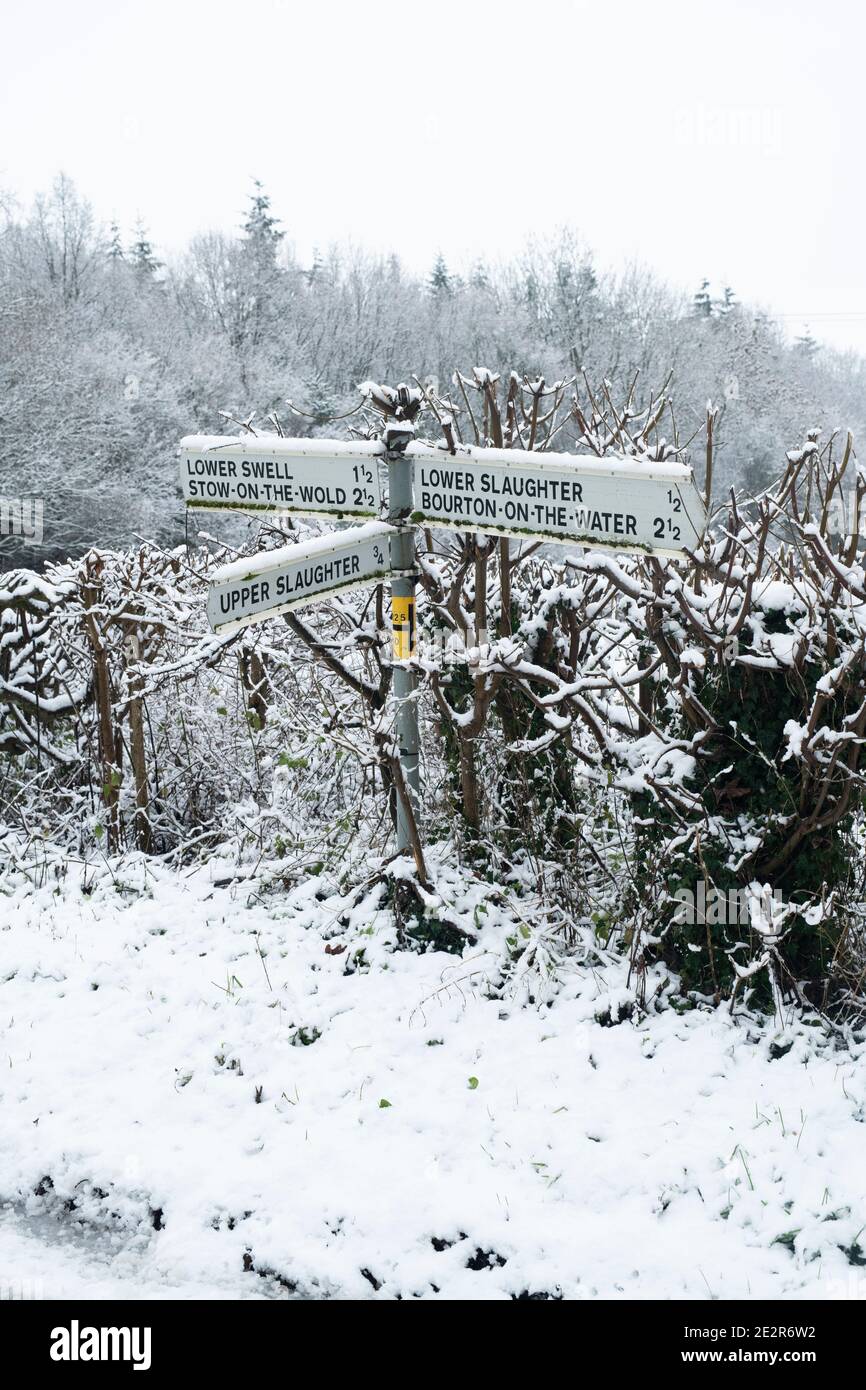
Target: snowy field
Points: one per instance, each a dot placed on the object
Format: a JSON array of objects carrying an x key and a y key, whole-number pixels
[{"x": 216, "y": 1090}]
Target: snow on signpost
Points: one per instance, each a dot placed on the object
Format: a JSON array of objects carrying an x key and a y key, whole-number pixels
[
  {"x": 613, "y": 503},
  {"x": 276, "y": 581},
  {"x": 267, "y": 473}
]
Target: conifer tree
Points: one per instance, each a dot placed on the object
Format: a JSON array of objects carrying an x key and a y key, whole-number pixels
[
  {"x": 806, "y": 345},
  {"x": 440, "y": 282},
  {"x": 261, "y": 227},
  {"x": 702, "y": 303},
  {"x": 142, "y": 254},
  {"x": 478, "y": 278},
  {"x": 115, "y": 246}
]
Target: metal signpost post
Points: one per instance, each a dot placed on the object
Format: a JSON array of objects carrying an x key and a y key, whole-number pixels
[
  {"x": 566, "y": 499},
  {"x": 404, "y": 627}
]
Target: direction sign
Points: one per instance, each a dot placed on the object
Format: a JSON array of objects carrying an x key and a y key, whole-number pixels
[
  {"x": 611, "y": 503},
  {"x": 266, "y": 473},
  {"x": 275, "y": 581}
]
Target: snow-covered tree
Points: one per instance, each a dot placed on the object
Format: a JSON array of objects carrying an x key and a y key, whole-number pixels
[
  {"x": 440, "y": 281},
  {"x": 702, "y": 303},
  {"x": 261, "y": 226},
  {"x": 142, "y": 255}
]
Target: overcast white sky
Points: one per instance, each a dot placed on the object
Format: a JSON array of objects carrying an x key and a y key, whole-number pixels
[{"x": 721, "y": 139}]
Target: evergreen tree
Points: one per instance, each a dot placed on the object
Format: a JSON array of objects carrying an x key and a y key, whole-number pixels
[
  {"x": 727, "y": 303},
  {"x": 142, "y": 254},
  {"x": 321, "y": 401},
  {"x": 440, "y": 282},
  {"x": 262, "y": 228},
  {"x": 478, "y": 278},
  {"x": 115, "y": 246},
  {"x": 757, "y": 472},
  {"x": 806, "y": 345},
  {"x": 702, "y": 304},
  {"x": 315, "y": 271},
  {"x": 260, "y": 280}
]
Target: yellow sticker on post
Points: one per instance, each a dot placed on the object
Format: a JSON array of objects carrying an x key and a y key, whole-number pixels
[{"x": 403, "y": 624}]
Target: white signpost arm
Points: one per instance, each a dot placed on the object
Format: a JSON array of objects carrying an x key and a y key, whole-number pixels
[
  {"x": 610, "y": 503},
  {"x": 276, "y": 581},
  {"x": 269, "y": 474}
]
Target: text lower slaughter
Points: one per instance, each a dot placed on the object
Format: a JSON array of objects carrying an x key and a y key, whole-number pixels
[
  {"x": 628, "y": 511},
  {"x": 516, "y": 500}
]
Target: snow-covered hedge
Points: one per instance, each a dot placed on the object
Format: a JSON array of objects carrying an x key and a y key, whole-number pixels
[{"x": 673, "y": 746}]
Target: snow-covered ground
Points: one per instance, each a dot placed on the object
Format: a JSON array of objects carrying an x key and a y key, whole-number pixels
[
  {"x": 44, "y": 1258},
  {"x": 200, "y": 1083}
]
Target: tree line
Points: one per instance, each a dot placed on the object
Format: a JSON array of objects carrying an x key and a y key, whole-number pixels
[{"x": 110, "y": 352}]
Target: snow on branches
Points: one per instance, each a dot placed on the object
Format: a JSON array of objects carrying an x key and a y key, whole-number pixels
[{"x": 642, "y": 727}]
